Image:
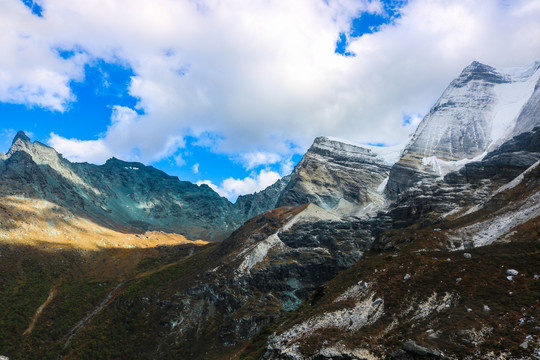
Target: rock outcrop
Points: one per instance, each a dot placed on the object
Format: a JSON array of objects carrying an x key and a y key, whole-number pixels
[{"x": 336, "y": 176}]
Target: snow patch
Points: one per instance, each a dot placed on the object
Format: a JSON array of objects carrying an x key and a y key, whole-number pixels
[
  {"x": 382, "y": 186},
  {"x": 443, "y": 167},
  {"x": 510, "y": 99},
  {"x": 488, "y": 231},
  {"x": 388, "y": 154},
  {"x": 365, "y": 312}
]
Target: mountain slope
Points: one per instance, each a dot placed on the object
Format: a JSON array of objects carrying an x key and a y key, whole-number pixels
[
  {"x": 420, "y": 301},
  {"x": 447, "y": 269}
]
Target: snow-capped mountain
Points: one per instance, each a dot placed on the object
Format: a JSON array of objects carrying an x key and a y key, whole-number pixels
[{"x": 478, "y": 111}]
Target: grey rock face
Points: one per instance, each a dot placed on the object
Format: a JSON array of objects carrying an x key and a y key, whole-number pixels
[
  {"x": 332, "y": 172},
  {"x": 127, "y": 196},
  {"x": 465, "y": 122},
  {"x": 243, "y": 302},
  {"x": 504, "y": 163},
  {"x": 412, "y": 351}
]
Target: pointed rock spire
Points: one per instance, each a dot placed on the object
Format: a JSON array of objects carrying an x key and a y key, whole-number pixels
[
  {"x": 20, "y": 142},
  {"x": 22, "y": 137}
]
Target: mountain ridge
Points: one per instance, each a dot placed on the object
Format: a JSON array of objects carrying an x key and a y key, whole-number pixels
[{"x": 440, "y": 266}]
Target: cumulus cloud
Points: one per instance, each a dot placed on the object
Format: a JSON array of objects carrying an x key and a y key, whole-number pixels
[
  {"x": 231, "y": 188},
  {"x": 195, "y": 168},
  {"x": 79, "y": 150},
  {"x": 260, "y": 76},
  {"x": 254, "y": 159}
]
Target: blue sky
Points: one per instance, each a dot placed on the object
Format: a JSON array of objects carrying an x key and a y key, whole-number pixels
[{"x": 233, "y": 93}]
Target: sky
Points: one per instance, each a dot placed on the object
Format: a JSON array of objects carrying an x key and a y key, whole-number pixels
[{"x": 231, "y": 93}]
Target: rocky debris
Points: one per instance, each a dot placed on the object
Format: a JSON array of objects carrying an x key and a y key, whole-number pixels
[
  {"x": 242, "y": 299},
  {"x": 412, "y": 351},
  {"x": 365, "y": 312},
  {"x": 467, "y": 255},
  {"x": 512, "y": 272}
]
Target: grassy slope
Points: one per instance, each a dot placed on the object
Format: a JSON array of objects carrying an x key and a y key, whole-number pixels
[{"x": 82, "y": 280}]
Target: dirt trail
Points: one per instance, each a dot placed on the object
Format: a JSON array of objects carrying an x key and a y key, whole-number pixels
[
  {"x": 39, "y": 310},
  {"x": 110, "y": 296},
  {"x": 74, "y": 330}
]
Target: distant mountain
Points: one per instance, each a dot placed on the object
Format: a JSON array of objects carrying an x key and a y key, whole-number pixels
[
  {"x": 337, "y": 176},
  {"x": 125, "y": 196}
]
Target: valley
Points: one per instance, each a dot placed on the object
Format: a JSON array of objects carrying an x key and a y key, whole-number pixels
[{"x": 426, "y": 252}]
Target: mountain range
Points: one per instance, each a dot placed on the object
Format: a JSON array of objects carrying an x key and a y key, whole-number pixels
[{"x": 427, "y": 251}]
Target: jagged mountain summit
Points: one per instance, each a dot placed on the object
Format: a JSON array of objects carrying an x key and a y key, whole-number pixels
[
  {"x": 131, "y": 197},
  {"x": 478, "y": 111}
]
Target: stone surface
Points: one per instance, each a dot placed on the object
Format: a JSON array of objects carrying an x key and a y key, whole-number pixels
[{"x": 336, "y": 176}]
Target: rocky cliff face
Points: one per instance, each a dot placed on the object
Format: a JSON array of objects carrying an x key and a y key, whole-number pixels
[
  {"x": 417, "y": 300},
  {"x": 336, "y": 176},
  {"x": 478, "y": 111}
]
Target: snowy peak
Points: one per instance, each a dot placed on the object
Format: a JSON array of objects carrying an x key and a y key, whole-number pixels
[
  {"x": 478, "y": 109},
  {"x": 477, "y": 112},
  {"x": 478, "y": 71}
]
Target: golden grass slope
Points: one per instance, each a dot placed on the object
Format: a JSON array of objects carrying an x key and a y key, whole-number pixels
[{"x": 39, "y": 222}]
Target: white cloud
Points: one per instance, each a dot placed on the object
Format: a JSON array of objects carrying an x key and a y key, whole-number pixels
[
  {"x": 254, "y": 159},
  {"x": 179, "y": 160},
  {"x": 195, "y": 168},
  {"x": 256, "y": 74},
  {"x": 80, "y": 151},
  {"x": 232, "y": 188}
]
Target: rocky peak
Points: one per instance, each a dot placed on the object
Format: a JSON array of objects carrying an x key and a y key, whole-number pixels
[
  {"x": 482, "y": 72},
  {"x": 326, "y": 146},
  {"x": 475, "y": 114},
  {"x": 21, "y": 142},
  {"x": 336, "y": 176},
  {"x": 21, "y": 136}
]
